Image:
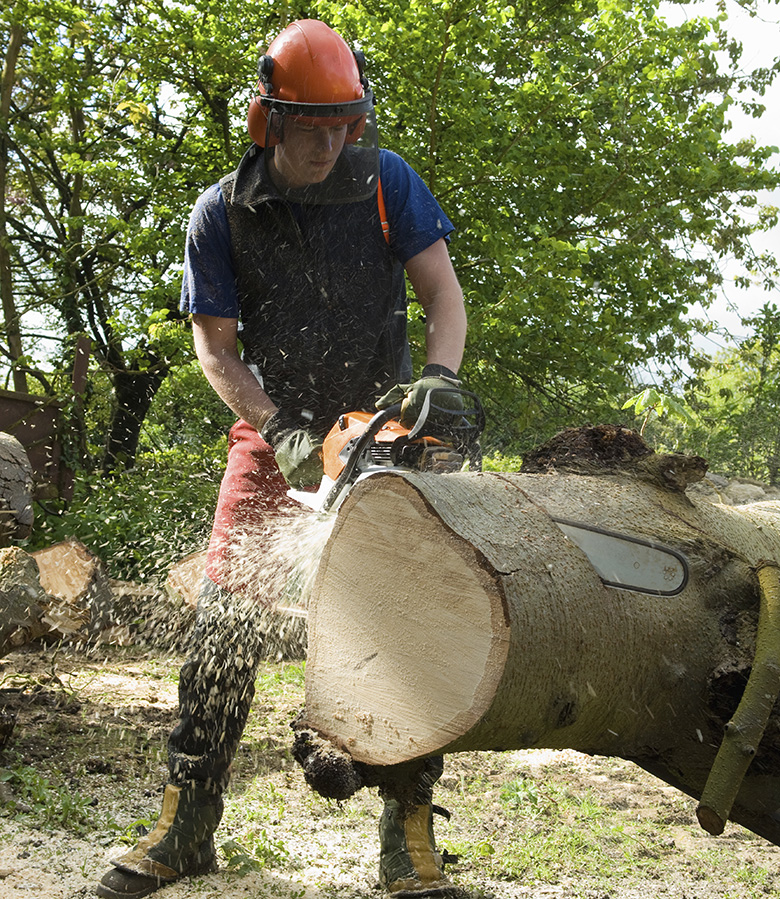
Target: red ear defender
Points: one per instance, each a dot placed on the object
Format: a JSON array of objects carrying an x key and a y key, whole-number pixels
[
  {"x": 257, "y": 117},
  {"x": 257, "y": 124}
]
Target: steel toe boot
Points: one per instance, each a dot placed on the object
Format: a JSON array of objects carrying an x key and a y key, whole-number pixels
[
  {"x": 181, "y": 844},
  {"x": 409, "y": 864}
]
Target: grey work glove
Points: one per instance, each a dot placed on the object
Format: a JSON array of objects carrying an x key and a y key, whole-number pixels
[
  {"x": 297, "y": 453},
  {"x": 412, "y": 396}
]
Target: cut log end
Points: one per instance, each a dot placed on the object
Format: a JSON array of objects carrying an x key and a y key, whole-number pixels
[
  {"x": 710, "y": 820},
  {"x": 435, "y": 663}
]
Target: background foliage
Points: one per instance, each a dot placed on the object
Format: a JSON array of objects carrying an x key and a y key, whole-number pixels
[
  {"x": 732, "y": 415},
  {"x": 581, "y": 149}
]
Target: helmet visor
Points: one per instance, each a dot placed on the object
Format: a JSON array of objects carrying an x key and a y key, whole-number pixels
[{"x": 323, "y": 159}]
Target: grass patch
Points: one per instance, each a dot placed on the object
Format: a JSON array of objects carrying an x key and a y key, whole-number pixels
[
  {"x": 255, "y": 851},
  {"x": 45, "y": 802},
  {"x": 550, "y": 832}
]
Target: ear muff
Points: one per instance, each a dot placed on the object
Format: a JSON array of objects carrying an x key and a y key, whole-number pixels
[
  {"x": 257, "y": 124},
  {"x": 257, "y": 117}
]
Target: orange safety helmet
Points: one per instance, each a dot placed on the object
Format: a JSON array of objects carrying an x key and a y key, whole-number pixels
[{"x": 310, "y": 72}]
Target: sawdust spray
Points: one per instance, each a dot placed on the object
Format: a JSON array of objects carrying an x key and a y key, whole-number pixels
[{"x": 273, "y": 567}]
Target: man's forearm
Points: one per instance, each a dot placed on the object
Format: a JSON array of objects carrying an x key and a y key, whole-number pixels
[
  {"x": 240, "y": 390},
  {"x": 439, "y": 293},
  {"x": 445, "y": 333},
  {"x": 217, "y": 351}
]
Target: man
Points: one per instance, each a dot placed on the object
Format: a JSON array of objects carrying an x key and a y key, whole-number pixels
[{"x": 289, "y": 256}]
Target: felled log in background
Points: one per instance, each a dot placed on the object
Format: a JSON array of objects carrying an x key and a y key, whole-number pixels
[
  {"x": 452, "y": 613},
  {"x": 16, "y": 489},
  {"x": 63, "y": 593},
  {"x": 78, "y": 584},
  {"x": 22, "y": 600}
]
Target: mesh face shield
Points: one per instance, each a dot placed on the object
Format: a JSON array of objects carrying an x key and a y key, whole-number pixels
[{"x": 355, "y": 173}]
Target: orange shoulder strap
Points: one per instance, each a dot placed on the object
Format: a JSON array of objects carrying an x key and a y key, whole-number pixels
[{"x": 380, "y": 202}]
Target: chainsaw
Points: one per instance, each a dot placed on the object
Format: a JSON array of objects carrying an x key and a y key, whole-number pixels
[{"x": 442, "y": 439}]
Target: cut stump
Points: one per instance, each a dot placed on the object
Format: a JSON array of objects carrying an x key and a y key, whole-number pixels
[{"x": 81, "y": 599}]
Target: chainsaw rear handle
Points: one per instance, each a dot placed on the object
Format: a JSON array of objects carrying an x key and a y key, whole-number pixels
[
  {"x": 452, "y": 422},
  {"x": 461, "y": 425}
]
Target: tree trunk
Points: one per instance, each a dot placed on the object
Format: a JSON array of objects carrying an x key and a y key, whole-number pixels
[
  {"x": 453, "y": 612},
  {"x": 11, "y": 314},
  {"x": 134, "y": 393}
]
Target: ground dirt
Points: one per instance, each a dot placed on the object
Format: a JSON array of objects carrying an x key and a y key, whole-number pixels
[{"x": 83, "y": 771}]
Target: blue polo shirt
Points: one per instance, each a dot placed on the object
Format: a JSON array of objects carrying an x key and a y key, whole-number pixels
[{"x": 209, "y": 288}]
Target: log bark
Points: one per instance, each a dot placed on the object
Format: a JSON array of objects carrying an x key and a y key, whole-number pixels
[
  {"x": 452, "y": 613},
  {"x": 22, "y": 600},
  {"x": 16, "y": 490}
]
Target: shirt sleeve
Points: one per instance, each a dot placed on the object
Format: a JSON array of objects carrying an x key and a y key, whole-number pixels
[
  {"x": 209, "y": 282},
  {"x": 416, "y": 220}
]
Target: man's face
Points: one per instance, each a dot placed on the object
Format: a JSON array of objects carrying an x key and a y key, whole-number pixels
[{"x": 307, "y": 153}]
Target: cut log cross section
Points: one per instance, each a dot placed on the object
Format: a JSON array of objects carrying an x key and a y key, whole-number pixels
[{"x": 435, "y": 661}]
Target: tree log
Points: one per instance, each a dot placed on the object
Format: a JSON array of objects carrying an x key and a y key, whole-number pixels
[
  {"x": 81, "y": 601},
  {"x": 452, "y": 613},
  {"x": 16, "y": 490},
  {"x": 22, "y": 600}
]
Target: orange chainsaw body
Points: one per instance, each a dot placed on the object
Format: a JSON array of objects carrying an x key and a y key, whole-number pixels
[{"x": 349, "y": 427}]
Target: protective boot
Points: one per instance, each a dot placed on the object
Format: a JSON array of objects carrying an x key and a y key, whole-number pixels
[
  {"x": 182, "y": 843},
  {"x": 409, "y": 864}
]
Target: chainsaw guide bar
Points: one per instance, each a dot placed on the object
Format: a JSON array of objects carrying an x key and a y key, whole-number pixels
[{"x": 629, "y": 563}]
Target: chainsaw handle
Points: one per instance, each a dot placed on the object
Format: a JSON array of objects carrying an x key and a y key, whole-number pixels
[
  {"x": 460, "y": 418},
  {"x": 347, "y": 474},
  {"x": 465, "y": 424}
]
